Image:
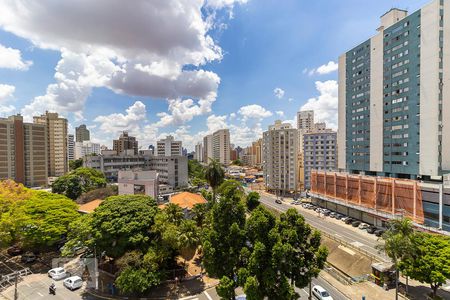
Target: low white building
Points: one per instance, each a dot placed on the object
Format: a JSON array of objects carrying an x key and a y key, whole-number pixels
[
  {"x": 138, "y": 183},
  {"x": 86, "y": 148}
]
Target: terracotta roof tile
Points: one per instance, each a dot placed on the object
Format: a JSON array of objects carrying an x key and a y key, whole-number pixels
[{"x": 187, "y": 200}]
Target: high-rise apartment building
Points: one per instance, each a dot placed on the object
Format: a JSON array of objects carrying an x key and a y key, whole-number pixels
[
  {"x": 208, "y": 148},
  {"x": 280, "y": 150},
  {"x": 252, "y": 155},
  {"x": 221, "y": 146},
  {"x": 305, "y": 120},
  {"x": 57, "y": 150},
  {"x": 199, "y": 152},
  {"x": 125, "y": 142},
  {"x": 169, "y": 147},
  {"x": 82, "y": 133},
  {"x": 394, "y": 97},
  {"x": 70, "y": 147},
  {"x": 319, "y": 153},
  {"x": 86, "y": 148},
  {"x": 23, "y": 151}
]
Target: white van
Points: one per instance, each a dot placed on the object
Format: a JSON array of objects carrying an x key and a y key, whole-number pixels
[
  {"x": 57, "y": 273},
  {"x": 73, "y": 283},
  {"x": 320, "y": 293}
]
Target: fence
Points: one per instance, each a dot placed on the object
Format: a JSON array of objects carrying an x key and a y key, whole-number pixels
[{"x": 386, "y": 195}]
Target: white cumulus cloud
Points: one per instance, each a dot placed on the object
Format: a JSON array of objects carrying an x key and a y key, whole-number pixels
[
  {"x": 12, "y": 59},
  {"x": 6, "y": 91},
  {"x": 130, "y": 121},
  {"x": 254, "y": 111},
  {"x": 278, "y": 92},
  {"x": 325, "y": 105},
  {"x": 327, "y": 68},
  {"x": 280, "y": 113}
]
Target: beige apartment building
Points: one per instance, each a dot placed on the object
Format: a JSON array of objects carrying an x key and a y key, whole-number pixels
[
  {"x": 280, "y": 154},
  {"x": 23, "y": 151},
  {"x": 124, "y": 143},
  {"x": 207, "y": 148},
  {"x": 169, "y": 147},
  {"x": 252, "y": 155},
  {"x": 57, "y": 148},
  {"x": 221, "y": 146}
]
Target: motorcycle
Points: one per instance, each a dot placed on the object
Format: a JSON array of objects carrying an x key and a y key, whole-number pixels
[{"x": 52, "y": 289}]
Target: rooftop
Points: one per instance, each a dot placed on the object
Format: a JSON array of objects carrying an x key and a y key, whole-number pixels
[
  {"x": 89, "y": 207},
  {"x": 187, "y": 200}
]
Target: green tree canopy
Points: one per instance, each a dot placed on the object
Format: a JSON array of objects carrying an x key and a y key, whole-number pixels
[
  {"x": 231, "y": 188},
  {"x": 38, "y": 222},
  {"x": 430, "y": 260},
  {"x": 123, "y": 223},
  {"x": 195, "y": 169},
  {"x": 75, "y": 164},
  {"x": 252, "y": 200},
  {"x": 79, "y": 181}
]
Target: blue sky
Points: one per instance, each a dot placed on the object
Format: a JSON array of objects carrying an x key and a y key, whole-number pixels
[{"x": 181, "y": 67}]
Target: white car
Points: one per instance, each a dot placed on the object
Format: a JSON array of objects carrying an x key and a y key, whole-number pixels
[
  {"x": 320, "y": 293},
  {"x": 57, "y": 273},
  {"x": 363, "y": 226},
  {"x": 73, "y": 283}
]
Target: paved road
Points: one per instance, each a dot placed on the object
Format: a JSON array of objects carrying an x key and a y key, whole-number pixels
[{"x": 340, "y": 231}]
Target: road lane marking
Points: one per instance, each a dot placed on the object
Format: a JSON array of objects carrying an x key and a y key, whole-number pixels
[
  {"x": 349, "y": 251},
  {"x": 208, "y": 296},
  {"x": 40, "y": 294}
]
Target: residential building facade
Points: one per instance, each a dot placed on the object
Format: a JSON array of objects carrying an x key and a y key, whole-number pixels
[
  {"x": 221, "y": 146},
  {"x": 319, "y": 153},
  {"x": 82, "y": 133},
  {"x": 198, "y": 152},
  {"x": 394, "y": 97},
  {"x": 70, "y": 147},
  {"x": 86, "y": 148},
  {"x": 125, "y": 142},
  {"x": 280, "y": 166},
  {"x": 169, "y": 147},
  {"x": 138, "y": 183},
  {"x": 57, "y": 149},
  {"x": 207, "y": 148},
  {"x": 23, "y": 151}
]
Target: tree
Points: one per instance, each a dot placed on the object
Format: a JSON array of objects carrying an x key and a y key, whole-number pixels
[
  {"x": 174, "y": 213},
  {"x": 79, "y": 181},
  {"x": 123, "y": 223},
  {"x": 79, "y": 234},
  {"x": 38, "y": 222},
  {"x": 225, "y": 289},
  {"x": 200, "y": 214},
  {"x": 195, "y": 169},
  {"x": 231, "y": 188},
  {"x": 11, "y": 192},
  {"x": 397, "y": 243},
  {"x": 252, "y": 200},
  {"x": 224, "y": 239},
  {"x": 214, "y": 174},
  {"x": 430, "y": 261},
  {"x": 237, "y": 162},
  {"x": 75, "y": 164},
  {"x": 189, "y": 237}
]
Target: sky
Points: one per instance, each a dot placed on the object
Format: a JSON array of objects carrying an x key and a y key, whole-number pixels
[{"x": 179, "y": 67}]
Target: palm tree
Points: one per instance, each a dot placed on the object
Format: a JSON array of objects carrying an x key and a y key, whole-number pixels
[
  {"x": 397, "y": 243},
  {"x": 214, "y": 174},
  {"x": 189, "y": 238}
]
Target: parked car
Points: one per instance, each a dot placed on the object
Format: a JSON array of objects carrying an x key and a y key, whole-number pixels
[
  {"x": 372, "y": 229},
  {"x": 57, "y": 273},
  {"x": 356, "y": 223},
  {"x": 320, "y": 293},
  {"x": 278, "y": 201},
  {"x": 73, "y": 283},
  {"x": 349, "y": 220},
  {"x": 345, "y": 218},
  {"x": 363, "y": 226},
  {"x": 28, "y": 257},
  {"x": 326, "y": 212},
  {"x": 379, "y": 232},
  {"x": 14, "y": 251}
]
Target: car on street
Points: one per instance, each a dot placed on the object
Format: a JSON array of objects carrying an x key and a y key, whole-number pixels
[
  {"x": 372, "y": 229},
  {"x": 363, "y": 226},
  {"x": 320, "y": 293},
  {"x": 278, "y": 201},
  {"x": 57, "y": 273},
  {"x": 356, "y": 223},
  {"x": 349, "y": 221},
  {"x": 379, "y": 232},
  {"x": 326, "y": 212},
  {"x": 28, "y": 257},
  {"x": 73, "y": 283},
  {"x": 345, "y": 218}
]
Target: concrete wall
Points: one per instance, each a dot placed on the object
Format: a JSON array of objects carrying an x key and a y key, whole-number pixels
[
  {"x": 341, "y": 135},
  {"x": 446, "y": 90},
  {"x": 429, "y": 89}
]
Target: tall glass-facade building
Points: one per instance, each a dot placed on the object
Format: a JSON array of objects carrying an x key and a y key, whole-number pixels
[{"x": 394, "y": 97}]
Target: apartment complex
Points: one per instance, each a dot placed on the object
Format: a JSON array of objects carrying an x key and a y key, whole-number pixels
[
  {"x": 319, "y": 153},
  {"x": 169, "y": 147},
  {"x": 208, "y": 148},
  {"x": 252, "y": 155},
  {"x": 57, "y": 149},
  {"x": 394, "y": 97},
  {"x": 125, "y": 142},
  {"x": 280, "y": 150},
  {"x": 198, "y": 155},
  {"x": 172, "y": 170},
  {"x": 70, "y": 147},
  {"x": 86, "y": 148},
  {"x": 82, "y": 133},
  {"x": 221, "y": 146},
  {"x": 23, "y": 151}
]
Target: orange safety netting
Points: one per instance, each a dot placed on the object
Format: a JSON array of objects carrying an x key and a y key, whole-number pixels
[{"x": 389, "y": 195}]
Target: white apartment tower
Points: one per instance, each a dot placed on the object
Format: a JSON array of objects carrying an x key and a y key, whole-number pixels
[
  {"x": 198, "y": 152},
  {"x": 221, "y": 146},
  {"x": 169, "y": 147},
  {"x": 208, "y": 148},
  {"x": 280, "y": 166},
  {"x": 70, "y": 147}
]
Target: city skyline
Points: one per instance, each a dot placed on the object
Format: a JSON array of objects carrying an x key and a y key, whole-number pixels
[{"x": 83, "y": 90}]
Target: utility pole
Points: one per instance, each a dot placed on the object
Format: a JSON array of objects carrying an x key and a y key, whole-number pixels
[
  {"x": 16, "y": 296},
  {"x": 310, "y": 291}
]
